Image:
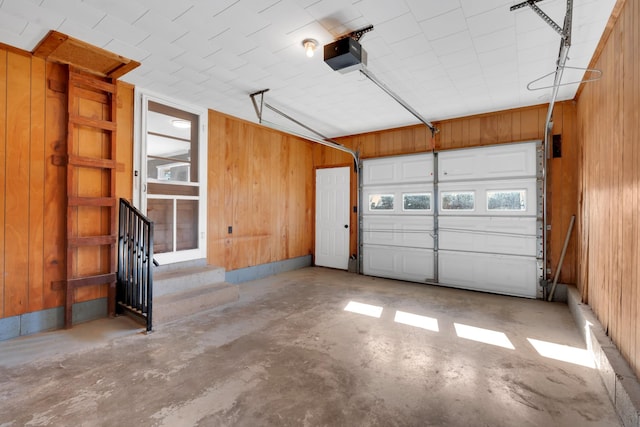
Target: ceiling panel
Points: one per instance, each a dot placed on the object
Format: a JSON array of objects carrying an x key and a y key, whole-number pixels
[
  {"x": 446, "y": 58},
  {"x": 427, "y": 9},
  {"x": 444, "y": 25}
]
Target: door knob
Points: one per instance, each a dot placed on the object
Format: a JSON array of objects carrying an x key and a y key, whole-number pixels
[{"x": 346, "y": 226}]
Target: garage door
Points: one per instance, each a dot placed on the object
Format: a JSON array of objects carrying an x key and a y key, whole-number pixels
[
  {"x": 475, "y": 227},
  {"x": 398, "y": 220}
]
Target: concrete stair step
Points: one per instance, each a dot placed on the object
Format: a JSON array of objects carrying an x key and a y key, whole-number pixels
[
  {"x": 181, "y": 280},
  {"x": 169, "y": 307},
  {"x": 183, "y": 265}
]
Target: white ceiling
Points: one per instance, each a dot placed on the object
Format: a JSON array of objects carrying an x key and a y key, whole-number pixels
[{"x": 444, "y": 58}]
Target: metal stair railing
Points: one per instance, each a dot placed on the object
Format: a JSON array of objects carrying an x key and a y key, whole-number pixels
[{"x": 134, "y": 293}]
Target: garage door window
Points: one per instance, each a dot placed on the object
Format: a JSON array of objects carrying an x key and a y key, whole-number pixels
[
  {"x": 381, "y": 202},
  {"x": 458, "y": 200},
  {"x": 508, "y": 200},
  {"x": 416, "y": 202}
]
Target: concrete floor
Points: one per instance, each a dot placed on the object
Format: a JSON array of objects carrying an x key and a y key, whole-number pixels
[{"x": 289, "y": 354}]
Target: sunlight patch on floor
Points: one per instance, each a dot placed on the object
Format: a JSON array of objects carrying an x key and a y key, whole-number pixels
[
  {"x": 486, "y": 336},
  {"x": 365, "y": 309},
  {"x": 564, "y": 353},
  {"x": 417, "y": 320}
]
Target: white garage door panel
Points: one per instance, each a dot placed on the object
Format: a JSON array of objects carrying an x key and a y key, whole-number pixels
[
  {"x": 509, "y": 236},
  {"x": 487, "y": 226},
  {"x": 503, "y": 161},
  {"x": 415, "y": 265},
  {"x": 480, "y": 189},
  {"x": 400, "y": 169},
  {"x": 503, "y": 274},
  {"x": 413, "y": 232}
]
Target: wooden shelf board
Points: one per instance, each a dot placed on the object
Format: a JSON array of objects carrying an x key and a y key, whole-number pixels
[{"x": 59, "y": 47}]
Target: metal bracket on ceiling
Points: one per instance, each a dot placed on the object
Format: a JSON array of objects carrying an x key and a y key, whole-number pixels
[
  {"x": 357, "y": 34},
  {"x": 255, "y": 104},
  {"x": 532, "y": 4},
  {"x": 321, "y": 139},
  {"x": 280, "y": 113}
]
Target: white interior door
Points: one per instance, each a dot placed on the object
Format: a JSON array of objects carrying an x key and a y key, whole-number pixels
[{"x": 332, "y": 217}]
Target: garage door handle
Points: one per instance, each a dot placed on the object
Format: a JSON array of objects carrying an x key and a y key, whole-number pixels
[{"x": 346, "y": 226}]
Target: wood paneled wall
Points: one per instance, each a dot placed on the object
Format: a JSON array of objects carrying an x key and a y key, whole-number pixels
[
  {"x": 523, "y": 124},
  {"x": 608, "y": 127},
  {"x": 33, "y": 122},
  {"x": 260, "y": 183},
  {"x": 124, "y": 140}
]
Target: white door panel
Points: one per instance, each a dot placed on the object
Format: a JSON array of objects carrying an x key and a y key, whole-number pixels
[
  {"x": 503, "y": 274},
  {"x": 332, "y": 217},
  {"x": 500, "y": 161},
  {"x": 509, "y": 236},
  {"x": 397, "y": 217},
  {"x": 399, "y": 169},
  {"x": 410, "y": 264},
  {"x": 414, "y": 231}
]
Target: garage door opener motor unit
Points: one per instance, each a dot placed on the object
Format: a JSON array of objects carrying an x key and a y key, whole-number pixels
[{"x": 345, "y": 55}]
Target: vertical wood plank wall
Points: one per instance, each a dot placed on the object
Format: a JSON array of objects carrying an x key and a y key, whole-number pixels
[
  {"x": 33, "y": 122},
  {"x": 522, "y": 124},
  {"x": 608, "y": 126},
  {"x": 260, "y": 183}
]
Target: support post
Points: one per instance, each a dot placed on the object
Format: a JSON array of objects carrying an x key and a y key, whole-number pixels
[{"x": 564, "y": 251}]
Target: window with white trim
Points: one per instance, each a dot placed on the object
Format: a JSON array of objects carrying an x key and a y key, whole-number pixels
[
  {"x": 507, "y": 200},
  {"x": 381, "y": 202},
  {"x": 416, "y": 202}
]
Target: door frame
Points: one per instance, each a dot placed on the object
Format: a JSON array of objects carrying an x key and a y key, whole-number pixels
[{"x": 141, "y": 99}]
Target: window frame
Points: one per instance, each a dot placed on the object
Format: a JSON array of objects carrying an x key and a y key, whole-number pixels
[
  {"x": 381, "y": 195},
  {"x": 423, "y": 193},
  {"x": 443, "y": 193},
  {"x": 523, "y": 200}
]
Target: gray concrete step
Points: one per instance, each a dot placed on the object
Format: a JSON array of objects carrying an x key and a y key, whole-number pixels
[
  {"x": 183, "y": 289},
  {"x": 181, "y": 280},
  {"x": 183, "y": 265},
  {"x": 174, "y": 306}
]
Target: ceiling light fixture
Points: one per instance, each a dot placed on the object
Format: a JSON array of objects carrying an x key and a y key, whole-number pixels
[
  {"x": 309, "y": 46},
  {"x": 181, "y": 124}
]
